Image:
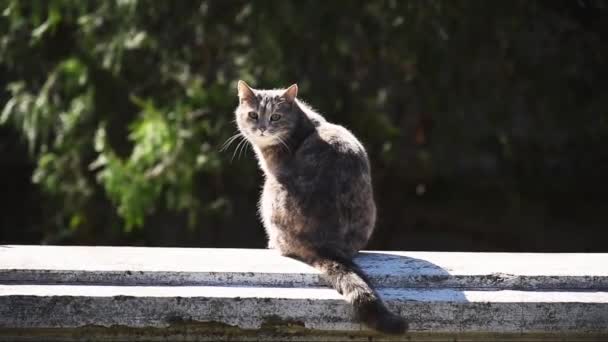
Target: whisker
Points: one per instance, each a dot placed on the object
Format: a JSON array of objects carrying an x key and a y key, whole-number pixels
[
  {"x": 241, "y": 151},
  {"x": 237, "y": 148},
  {"x": 244, "y": 149},
  {"x": 229, "y": 141},
  {"x": 284, "y": 143},
  {"x": 227, "y": 144},
  {"x": 234, "y": 152}
]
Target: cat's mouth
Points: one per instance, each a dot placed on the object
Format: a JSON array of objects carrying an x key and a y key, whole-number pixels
[
  {"x": 263, "y": 134},
  {"x": 263, "y": 139}
]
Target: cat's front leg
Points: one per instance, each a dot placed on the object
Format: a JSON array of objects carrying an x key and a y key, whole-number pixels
[
  {"x": 271, "y": 245},
  {"x": 272, "y": 235}
]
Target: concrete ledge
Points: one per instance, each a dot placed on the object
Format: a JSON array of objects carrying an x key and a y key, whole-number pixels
[{"x": 126, "y": 293}]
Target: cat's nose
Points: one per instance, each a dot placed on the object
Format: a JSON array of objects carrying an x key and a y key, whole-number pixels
[{"x": 262, "y": 129}]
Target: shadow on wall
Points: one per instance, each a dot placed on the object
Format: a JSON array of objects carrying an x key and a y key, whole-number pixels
[{"x": 406, "y": 283}]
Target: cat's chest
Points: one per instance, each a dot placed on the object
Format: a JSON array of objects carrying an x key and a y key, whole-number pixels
[
  {"x": 281, "y": 196},
  {"x": 275, "y": 162},
  {"x": 277, "y": 203},
  {"x": 274, "y": 195}
]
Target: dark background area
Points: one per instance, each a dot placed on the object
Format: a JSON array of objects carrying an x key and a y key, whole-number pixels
[{"x": 486, "y": 121}]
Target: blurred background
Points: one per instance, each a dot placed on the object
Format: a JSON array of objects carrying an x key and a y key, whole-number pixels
[{"x": 486, "y": 121}]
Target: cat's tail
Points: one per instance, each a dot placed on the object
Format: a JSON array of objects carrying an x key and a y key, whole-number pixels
[{"x": 350, "y": 281}]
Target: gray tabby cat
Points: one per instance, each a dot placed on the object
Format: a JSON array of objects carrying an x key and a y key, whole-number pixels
[{"x": 317, "y": 205}]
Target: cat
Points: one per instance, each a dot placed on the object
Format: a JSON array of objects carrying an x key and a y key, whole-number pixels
[{"x": 317, "y": 204}]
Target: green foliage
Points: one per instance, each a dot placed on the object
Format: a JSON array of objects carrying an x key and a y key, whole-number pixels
[
  {"x": 61, "y": 114},
  {"x": 123, "y": 104}
]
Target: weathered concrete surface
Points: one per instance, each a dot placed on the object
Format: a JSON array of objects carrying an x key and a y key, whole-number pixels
[
  {"x": 435, "y": 311},
  {"x": 105, "y": 293},
  {"x": 255, "y": 267}
]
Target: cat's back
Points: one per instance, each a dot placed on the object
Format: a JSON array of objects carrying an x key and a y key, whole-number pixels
[
  {"x": 326, "y": 193},
  {"x": 332, "y": 186},
  {"x": 339, "y": 138},
  {"x": 333, "y": 149}
]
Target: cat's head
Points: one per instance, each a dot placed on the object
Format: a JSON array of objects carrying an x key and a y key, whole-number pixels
[{"x": 266, "y": 117}]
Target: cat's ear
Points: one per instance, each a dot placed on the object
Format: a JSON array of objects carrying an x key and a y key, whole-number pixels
[
  {"x": 291, "y": 93},
  {"x": 245, "y": 92}
]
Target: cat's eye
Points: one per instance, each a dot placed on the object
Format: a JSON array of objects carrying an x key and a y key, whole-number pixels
[
  {"x": 253, "y": 115},
  {"x": 275, "y": 117}
]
